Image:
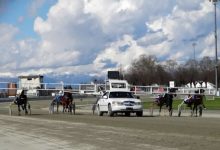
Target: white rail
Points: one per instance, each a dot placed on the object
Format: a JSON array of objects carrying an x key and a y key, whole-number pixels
[{"x": 96, "y": 88}]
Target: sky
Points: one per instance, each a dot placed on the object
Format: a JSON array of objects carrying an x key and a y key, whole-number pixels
[{"x": 89, "y": 37}]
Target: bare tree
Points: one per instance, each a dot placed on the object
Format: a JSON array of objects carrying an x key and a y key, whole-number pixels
[
  {"x": 206, "y": 68},
  {"x": 146, "y": 70}
]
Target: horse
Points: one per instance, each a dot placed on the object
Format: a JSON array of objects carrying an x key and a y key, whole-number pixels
[
  {"x": 194, "y": 102},
  {"x": 22, "y": 102},
  {"x": 165, "y": 100},
  {"x": 66, "y": 100}
]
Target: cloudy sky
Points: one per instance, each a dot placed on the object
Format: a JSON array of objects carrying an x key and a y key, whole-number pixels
[{"x": 65, "y": 37}]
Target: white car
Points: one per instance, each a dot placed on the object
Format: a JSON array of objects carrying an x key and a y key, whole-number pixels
[{"x": 113, "y": 102}]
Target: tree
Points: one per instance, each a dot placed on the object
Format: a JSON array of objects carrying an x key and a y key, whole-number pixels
[
  {"x": 206, "y": 68},
  {"x": 163, "y": 77},
  {"x": 144, "y": 68}
]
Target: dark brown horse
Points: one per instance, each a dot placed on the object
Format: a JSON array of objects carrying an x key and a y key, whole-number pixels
[
  {"x": 66, "y": 100},
  {"x": 195, "y": 103}
]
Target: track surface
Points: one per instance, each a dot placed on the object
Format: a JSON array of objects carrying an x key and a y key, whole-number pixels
[{"x": 85, "y": 131}]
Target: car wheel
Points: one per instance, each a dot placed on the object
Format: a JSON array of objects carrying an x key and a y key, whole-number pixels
[
  {"x": 139, "y": 113},
  {"x": 200, "y": 111},
  {"x": 110, "y": 113},
  {"x": 100, "y": 113},
  {"x": 127, "y": 114}
]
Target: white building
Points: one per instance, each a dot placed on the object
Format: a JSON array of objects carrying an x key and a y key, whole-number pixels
[
  {"x": 30, "y": 84},
  {"x": 207, "y": 85}
]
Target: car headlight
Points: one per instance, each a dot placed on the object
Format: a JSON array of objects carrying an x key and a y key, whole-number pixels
[{"x": 137, "y": 103}]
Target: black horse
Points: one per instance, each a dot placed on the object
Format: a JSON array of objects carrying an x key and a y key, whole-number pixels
[
  {"x": 194, "y": 102},
  {"x": 22, "y": 102},
  {"x": 165, "y": 100}
]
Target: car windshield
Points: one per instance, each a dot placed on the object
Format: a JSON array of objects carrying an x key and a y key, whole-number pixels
[
  {"x": 118, "y": 85},
  {"x": 121, "y": 95}
]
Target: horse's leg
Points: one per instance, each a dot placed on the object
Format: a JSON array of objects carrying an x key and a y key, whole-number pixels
[
  {"x": 64, "y": 107},
  {"x": 51, "y": 107},
  {"x": 19, "y": 110},
  {"x": 170, "y": 111},
  {"x": 58, "y": 107},
  {"x": 29, "y": 108},
  {"x": 74, "y": 108},
  {"x": 167, "y": 111},
  {"x": 200, "y": 110},
  {"x": 196, "y": 107},
  {"x": 25, "y": 108},
  {"x": 164, "y": 111},
  {"x": 93, "y": 108},
  {"x": 70, "y": 107},
  {"x": 180, "y": 107},
  {"x": 191, "y": 110},
  {"x": 160, "y": 107}
]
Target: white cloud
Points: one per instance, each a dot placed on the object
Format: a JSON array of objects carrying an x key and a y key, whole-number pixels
[
  {"x": 88, "y": 27},
  {"x": 41, "y": 27},
  {"x": 185, "y": 26},
  {"x": 35, "y": 5},
  {"x": 7, "y": 47},
  {"x": 91, "y": 36},
  {"x": 7, "y": 32},
  {"x": 121, "y": 52}
]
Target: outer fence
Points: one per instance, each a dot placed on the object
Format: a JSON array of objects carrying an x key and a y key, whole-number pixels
[
  {"x": 49, "y": 89},
  {"x": 146, "y": 90}
]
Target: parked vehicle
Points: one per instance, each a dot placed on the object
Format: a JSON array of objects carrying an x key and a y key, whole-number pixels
[{"x": 113, "y": 102}]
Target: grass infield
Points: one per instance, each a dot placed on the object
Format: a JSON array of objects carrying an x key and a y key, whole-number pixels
[{"x": 210, "y": 104}]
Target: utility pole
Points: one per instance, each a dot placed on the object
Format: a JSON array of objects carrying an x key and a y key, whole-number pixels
[
  {"x": 216, "y": 54},
  {"x": 194, "y": 49}
]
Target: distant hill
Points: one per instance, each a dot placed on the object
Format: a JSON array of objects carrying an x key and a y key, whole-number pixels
[
  {"x": 74, "y": 79},
  {"x": 5, "y": 79}
]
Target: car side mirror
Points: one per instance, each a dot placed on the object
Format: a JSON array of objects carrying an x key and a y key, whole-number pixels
[{"x": 105, "y": 97}]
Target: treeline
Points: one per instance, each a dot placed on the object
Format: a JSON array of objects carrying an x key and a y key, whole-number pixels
[{"x": 147, "y": 70}]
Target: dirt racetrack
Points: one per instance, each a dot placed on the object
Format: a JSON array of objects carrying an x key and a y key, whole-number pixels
[{"x": 85, "y": 131}]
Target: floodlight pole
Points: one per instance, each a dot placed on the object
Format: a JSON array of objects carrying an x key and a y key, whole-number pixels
[
  {"x": 216, "y": 49},
  {"x": 194, "y": 49}
]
